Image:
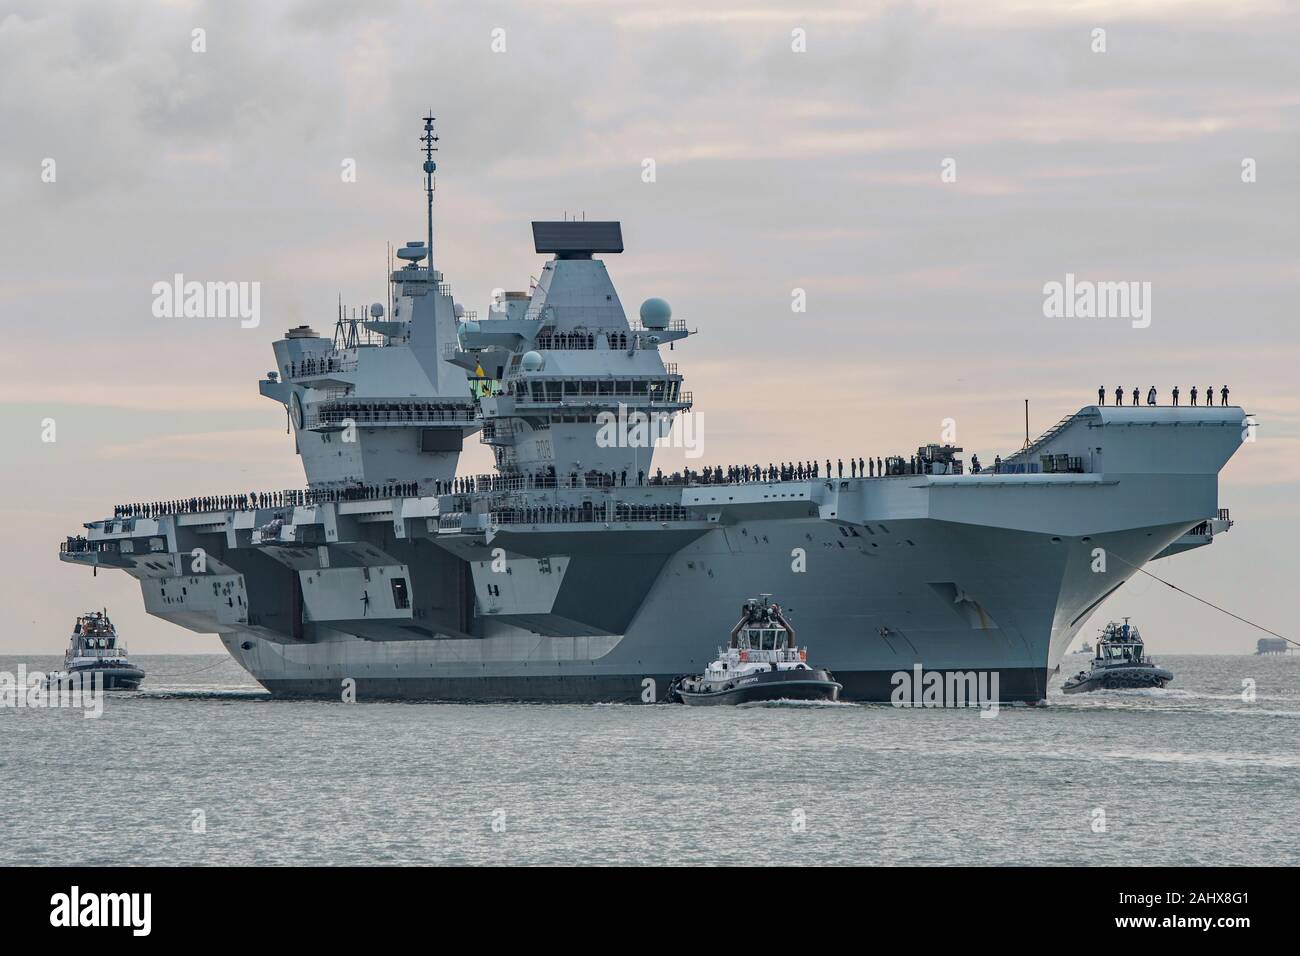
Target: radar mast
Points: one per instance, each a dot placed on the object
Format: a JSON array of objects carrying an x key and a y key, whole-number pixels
[{"x": 430, "y": 167}]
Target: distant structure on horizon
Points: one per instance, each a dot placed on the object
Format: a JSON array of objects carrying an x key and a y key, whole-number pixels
[{"x": 1271, "y": 645}]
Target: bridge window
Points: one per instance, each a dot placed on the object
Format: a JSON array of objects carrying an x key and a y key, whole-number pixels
[{"x": 401, "y": 600}]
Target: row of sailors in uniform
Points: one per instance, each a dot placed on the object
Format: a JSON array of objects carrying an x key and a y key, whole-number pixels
[
  {"x": 731, "y": 474},
  {"x": 541, "y": 479},
  {"x": 265, "y": 499},
  {"x": 1153, "y": 400},
  {"x": 313, "y": 366},
  {"x": 800, "y": 470},
  {"x": 786, "y": 471},
  {"x": 710, "y": 475}
]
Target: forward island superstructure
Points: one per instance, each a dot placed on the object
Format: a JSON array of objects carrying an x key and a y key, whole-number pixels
[{"x": 575, "y": 571}]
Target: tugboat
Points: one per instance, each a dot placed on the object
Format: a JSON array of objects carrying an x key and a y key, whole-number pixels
[
  {"x": 1119, "y": 664},
  {"x": 761, "y": 662},
  {"x": 95, "y": 649}
]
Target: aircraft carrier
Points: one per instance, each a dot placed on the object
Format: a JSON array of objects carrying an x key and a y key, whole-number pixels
[{"x": 575, "y": 572}]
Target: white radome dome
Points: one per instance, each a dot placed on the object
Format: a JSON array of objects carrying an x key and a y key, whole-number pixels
[{"x": 655, "y": 313}]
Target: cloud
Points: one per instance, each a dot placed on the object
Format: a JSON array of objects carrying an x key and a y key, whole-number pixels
[
  {"x": 217, "y": 446},
  {"x": 775, "y": 170}
]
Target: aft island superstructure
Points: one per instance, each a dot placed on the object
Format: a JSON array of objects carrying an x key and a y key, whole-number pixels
[{"x": 577, "y": 572}]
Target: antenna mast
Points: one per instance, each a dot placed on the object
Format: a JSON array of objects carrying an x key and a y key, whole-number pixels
[{"x": 428, "y": 139}]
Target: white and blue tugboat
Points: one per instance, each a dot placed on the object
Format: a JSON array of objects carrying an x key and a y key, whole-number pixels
[
  {"x": 95, "y": 649},
  {"x": 1119, "y": 664},
  {"x": 761, "y": 662}
]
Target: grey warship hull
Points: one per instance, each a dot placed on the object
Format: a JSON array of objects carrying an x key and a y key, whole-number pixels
[
  {"x": 570, "y": 575},
  {"x": 957, "y": 573}
]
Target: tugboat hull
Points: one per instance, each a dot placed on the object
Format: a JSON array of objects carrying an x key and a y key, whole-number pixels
[
  {"x": 768, "y": 686},
  {"x": 114, "y": 678},
  {"x": 1120, "y": 678}
]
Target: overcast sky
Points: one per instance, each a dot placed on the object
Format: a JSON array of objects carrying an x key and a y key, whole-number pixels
[{"x": 775, "y": 170}]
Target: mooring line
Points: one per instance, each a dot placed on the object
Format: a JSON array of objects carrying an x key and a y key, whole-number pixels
[{"x": 1194, "y": 597}]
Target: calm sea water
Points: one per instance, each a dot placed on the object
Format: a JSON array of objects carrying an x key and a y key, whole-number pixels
[{"x": 1191, "y": 774}]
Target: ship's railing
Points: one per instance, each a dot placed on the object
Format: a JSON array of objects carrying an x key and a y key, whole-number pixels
[
  {"x": 675, "y": 325},
  {"x": 583, "y": 341},
  {"x": 450, "y": 521},
  {"x": 80, "y": 545},
  {"x": 390, "y": 414},
  {"x": 220, "y": 505},
  {"x": 587, "y": 338},
  {"x": 783, "y": 655},
  {"x": 98, "y": 653},
  {"x": 485, "y": 483},
  {"x": 1024, "y": 456},
  {"x": 586, "y": 513},
  {"x": 634, "y": 400},
  {"x": 1205, "y": 527},
  {"x": 1060, "y": 464},
  {"x": 312, "y": 367}
]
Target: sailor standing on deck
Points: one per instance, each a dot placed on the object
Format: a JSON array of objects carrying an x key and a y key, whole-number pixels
[
  {"x": 1209, "y": 395},
  {"x": 1135, "y": 395},
  {"x": 1101, "y": 395},
  {"x": 1119, "y": 394},
  {"x": 1151, "y": 395},
  {"x": 1223, "y": 397},
  {"x": 1193, "y": 395},
  {"x": 1175, "y": 395}
]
